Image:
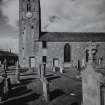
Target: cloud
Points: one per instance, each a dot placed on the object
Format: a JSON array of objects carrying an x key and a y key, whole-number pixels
[
  {"x": 63, "y": 15},
  {"x": 10, "y": 9},
  {"x": 9, "y": 43},
  {"x": 74, "y": 15}
]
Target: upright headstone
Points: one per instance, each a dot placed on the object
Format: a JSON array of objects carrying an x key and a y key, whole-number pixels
[
  {"x": 6, "y": 86},
  {"x": 1, "y": 88},
  {"x": 83, "y": 63},
  {"x": 7, "y": 83},
  {"x": 45, "y": 89},
  {"x": 42, "y": 71},
  {"x": 5, "y": 67},
  {"x": 100, "y": 60},
  {"x": 17, "y": 72},
  {"x": 53, "y": 68},
  {"x": 61, "y": 68},
  {"x": 45, "y": 83},
  {"x": 39, "y": 71},
  {"x": 90, "y": 86},
  {"x": 90, "y": 83}
]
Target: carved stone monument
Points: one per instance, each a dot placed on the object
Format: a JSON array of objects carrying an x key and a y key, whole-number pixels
[{"x": 91, "y": 82}]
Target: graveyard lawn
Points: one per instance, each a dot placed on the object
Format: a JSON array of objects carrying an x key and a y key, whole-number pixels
[{"x": 64, "y": 89}]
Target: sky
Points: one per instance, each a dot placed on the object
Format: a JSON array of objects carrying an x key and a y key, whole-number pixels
[{"x": 57, "y": 16}]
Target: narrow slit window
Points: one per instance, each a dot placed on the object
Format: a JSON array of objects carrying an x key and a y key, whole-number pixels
[{"x": 44, "y": 44}]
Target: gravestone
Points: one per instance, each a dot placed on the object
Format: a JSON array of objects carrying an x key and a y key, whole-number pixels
[
  {"x": 39, "y": 71},
  {"x": 61, "y": 69},
  {"x": 45, "y": 83},
  {"x": 45, "y": 89},
  {"x": 53, "y": 68},
  {"x": 100, "y": 60},
  {"x": 83, "y": 63},
  {"x": 7, "y": 82},
  {"x": 1, "y": 88},
  {"x": 42, "y": 70},
  {"x": 91, "y": 82},
  {"x": 6, "y": 85},
  {"x": 17, "y": 72},
  {"x": 91, "y": 86}
]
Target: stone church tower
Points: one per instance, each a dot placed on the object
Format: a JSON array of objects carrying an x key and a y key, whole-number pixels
[{"x": 30, "y": 27}]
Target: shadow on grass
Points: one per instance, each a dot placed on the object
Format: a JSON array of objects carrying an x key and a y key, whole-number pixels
[
  {"x": 20, "y": 96},
  {"x": 34, "y": 73},
  {"x": 19, "y": 91},
  {"x": 56, "y": 93},
  {"x": 75, "y": 103},
  {"x": 26, "y": 81},
  {"x": 23, "y": 82},
  {"x": 24, "y": 100},
  {"x": 52, "y": 78},
  {"x": 48, "y": 75}
]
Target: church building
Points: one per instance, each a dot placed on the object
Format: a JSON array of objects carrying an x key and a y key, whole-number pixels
[{"x": 59, "y": 49}]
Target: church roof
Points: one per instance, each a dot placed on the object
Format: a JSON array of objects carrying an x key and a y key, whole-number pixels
[{"x": 72, "y": 36}]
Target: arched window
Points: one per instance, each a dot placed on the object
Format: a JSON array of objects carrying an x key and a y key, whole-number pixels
[{"x": 67, "y": 53}]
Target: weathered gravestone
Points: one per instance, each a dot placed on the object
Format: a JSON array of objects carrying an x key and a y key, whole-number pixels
[
  {"x": 45, "y": 89},
  {"x": 45, "y": 83},
  {"x": 7, "y": 82},
  {"x": 91, "y": 81},
  {"x": 17, "y": 72},
  {"x": 91, "y": 86}
]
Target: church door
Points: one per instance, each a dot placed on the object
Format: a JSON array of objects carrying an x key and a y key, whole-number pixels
[{"x": 67, "y": 53}]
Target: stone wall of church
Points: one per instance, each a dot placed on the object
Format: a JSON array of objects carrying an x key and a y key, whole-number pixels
[{"x": 56, "y": 50}]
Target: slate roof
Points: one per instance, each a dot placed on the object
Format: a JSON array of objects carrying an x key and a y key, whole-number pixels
[{"x": 74, "y": 36}]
